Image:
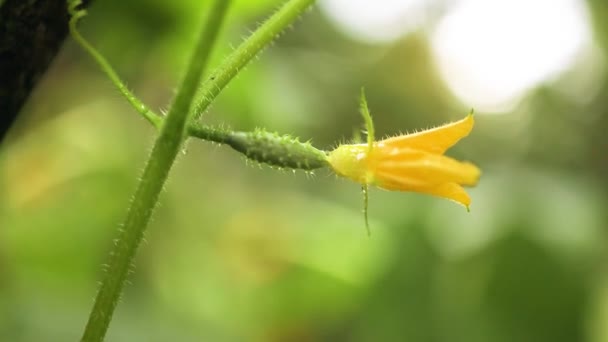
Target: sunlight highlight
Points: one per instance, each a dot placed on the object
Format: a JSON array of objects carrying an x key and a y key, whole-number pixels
[
  {"x": 491, "y": 52},
  {"x": 379, "y": 21}
]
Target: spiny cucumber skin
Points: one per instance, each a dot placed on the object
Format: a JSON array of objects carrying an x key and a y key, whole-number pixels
[{"x": 276, "y": 150}]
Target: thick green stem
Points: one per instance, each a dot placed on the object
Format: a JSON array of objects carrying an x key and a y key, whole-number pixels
[
  {"x": 168, "y": 144},
  {"x": 231, "y": 66},
  {"x": 164, "y": 152}
]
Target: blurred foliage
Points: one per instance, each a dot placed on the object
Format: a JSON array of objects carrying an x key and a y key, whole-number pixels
[{"x": 241, "y": 253}]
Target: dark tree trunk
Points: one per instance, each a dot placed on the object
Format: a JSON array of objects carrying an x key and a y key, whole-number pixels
[{"x": 31, "y": 33}]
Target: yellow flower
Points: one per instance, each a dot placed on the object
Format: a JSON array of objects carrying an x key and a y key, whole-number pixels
[{"x": 411, "y": 162}]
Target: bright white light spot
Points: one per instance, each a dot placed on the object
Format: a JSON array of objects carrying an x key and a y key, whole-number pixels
[
  {"x": 375, "y": 21},
  {"x": 490, "y": 52}
]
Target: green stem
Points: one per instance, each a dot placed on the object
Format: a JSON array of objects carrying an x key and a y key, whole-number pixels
[
  {"x": 167, "y": 146},
  {"x": 209, "y": 133},
  {"x": 231, "y": 66},
  {"x": 139, "y": 106},
  {"x": 164, "y": 152}
]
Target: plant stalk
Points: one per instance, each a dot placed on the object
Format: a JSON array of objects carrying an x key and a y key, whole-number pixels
[
  {"x": 173, "y": 133},
  {"x": 164, "y": 152},
  {"x": 240, "y": 57}
]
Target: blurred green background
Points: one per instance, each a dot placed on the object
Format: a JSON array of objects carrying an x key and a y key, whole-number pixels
[{"x": 236, "y": 252}]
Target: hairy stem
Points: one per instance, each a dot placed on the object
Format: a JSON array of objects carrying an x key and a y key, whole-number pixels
[
  {"x": 231, "y": 66},
  {"x": 173, "y": 133},
  {"x": 164, "y": 152},
  {"x": 139, "y": 106}
]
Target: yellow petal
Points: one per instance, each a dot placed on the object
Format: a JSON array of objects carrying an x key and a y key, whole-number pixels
[
  {"x": 451, "y": 191},
  {"x": 420, "y": 167},
  {"x": 435, "y": 140}
]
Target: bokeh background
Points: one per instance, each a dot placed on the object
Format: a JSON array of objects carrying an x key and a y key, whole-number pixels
[{"x": 237, "y": 252}]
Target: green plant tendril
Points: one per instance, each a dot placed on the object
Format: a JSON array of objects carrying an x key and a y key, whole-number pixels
[{"x": 75, "y": 13}]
